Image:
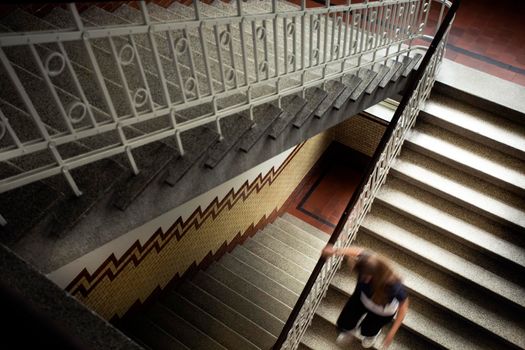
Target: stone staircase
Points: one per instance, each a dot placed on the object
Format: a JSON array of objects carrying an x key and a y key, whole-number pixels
[
  {"x": 451, "y": 216},
  {"x": 240, "y": 302},
  {"x": 54, "y": 209}
]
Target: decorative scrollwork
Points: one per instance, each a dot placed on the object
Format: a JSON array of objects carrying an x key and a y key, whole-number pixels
[
  {"x": 316, "y": 24},
  {"x": 190, "y": 86},
  {"x": 357, "y": 18},
  {"x": 224, "y": 39},
  {"x": 263, "y": 67},
  {"x": 181, "y": 45},
  {"x": 260, "y": 33},
  {"x": 230, "y": 75},
  {"x": 126, "y": 55},
  {"x": 315, "y": 54},
  {"x": 373, "y": 17},
  {"x": 290, "y": 28},
  {"x": 291, "y": 60},
  {"x": 140, "y": 97},
  {"x": 76, "y": 111},
  {"x": 58, "y": 61}
]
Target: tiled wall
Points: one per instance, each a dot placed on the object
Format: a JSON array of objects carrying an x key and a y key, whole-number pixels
[
  {"x": 359, "y": 133},
  {"x": 149, "y": 264}
]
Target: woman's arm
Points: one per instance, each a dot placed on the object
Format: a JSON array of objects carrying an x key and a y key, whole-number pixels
[
  {"x": 402, "y": 311},
  {"x": 351, "y": 252}
]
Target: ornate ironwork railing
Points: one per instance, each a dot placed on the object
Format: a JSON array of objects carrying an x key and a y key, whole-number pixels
[
  {"x": 102, "y": 83},
  {"x": 404, "y": 118}
]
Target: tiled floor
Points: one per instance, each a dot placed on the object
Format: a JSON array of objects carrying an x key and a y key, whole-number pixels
[{"x": 324, "y": 193}]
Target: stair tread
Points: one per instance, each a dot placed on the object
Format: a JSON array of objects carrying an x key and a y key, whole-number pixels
[
  {"x": 181, "y": 329},
  {"x": 244, "y": 287},
  {"x": 291, "y": 105},
  {"x": 272, "y": 271},
  {"x": 444, "y": 216},
  {"x": 308, "y": 233},
  {"x": 471, "y": 121},
  {"x": 264, "y": 116},
  {"x": 394, "y": 68},
  {"x": 239, "y": 303},
  {"x": 404, "y": 64},
  {"x": 295, "y": 240},
  {"x": 153, "y": 336},
  {"x": 351, "y": 82},
  {"x": 252, "y": 333},
  {"x": 455, "y": 184},
  {"x": 382, "y": 72},
  {"x": 366, "y": 76},
  {"x": 314, "y": 96},
  {"x": 334, "y": 89},
  {"x": 411, "y": 64},
  {"x": 444, "y": 259},
  {"x": 468, "y": 154}
]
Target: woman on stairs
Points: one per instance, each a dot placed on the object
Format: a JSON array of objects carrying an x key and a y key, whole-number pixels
[{"x": 378, "y": 297}]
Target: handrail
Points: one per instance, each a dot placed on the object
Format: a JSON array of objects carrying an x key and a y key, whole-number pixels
[{"x": 412, "y": 85}]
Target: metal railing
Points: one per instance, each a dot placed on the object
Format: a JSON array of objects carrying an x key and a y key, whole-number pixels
[
  {"x": 417, "y": 92},
  {"x": 187, "y": 72}
]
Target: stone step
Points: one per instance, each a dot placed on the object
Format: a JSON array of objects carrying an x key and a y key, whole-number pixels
[
  {"x": 285, "y": 250},
  {"x": 382, "y": 71},
  {"x": 405, "y": 62},
  {"x": 483, "y": 308},
  {"x": 266, "y": 115},
  {"x": 314, "y": 97},
  {"x": 293, "y": 240},
  {"x": 451, "y": 220},
  {"x": 460, "y": 188},
  {"x": 258, "y": 296},
  {"x": 414, "y": 60},
  {"x": 295, "y": 225},
  {"x": 206, "y": 323},
  {"x": 351, "y": 82},
  {"x": 291, "y": 105},
  {"x": 228, "y": 316},
  {"x": 278, "y": 260},
  {"x": 367, "y": 76},
  {"x": 411, "y": 239},
  {"x": 470, "y": 157},
  {"x": 269, "y": 270},
  {"x": 240, "y": 303},
  {"x": 260, "y": 280},
  {"x": 394, "y": 68},
  {"x": 476, "y": 124},
  {"x": 152, "y": 336},
  {"x": 333, "y": 89},
  {"x": 179, "y": 328}
]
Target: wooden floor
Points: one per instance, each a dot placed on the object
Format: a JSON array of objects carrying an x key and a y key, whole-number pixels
[{"x": 323, "y": 194}]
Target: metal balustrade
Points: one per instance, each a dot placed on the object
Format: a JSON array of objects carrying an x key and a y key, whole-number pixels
[
  {"x": 206, "y": 69},
  {"x": 359, "y": 205}
]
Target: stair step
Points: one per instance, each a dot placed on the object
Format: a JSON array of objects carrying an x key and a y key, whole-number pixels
[
  {"x": 277, "y": 260},
  {"x": 334, "y": 89},
  {"x": 367, "y": 76},
  {"x": 475, "y": 194},
  {"x": 264, "y": 116},
  {"x": 409, "y": 241},
  {"x": 252, "y": 333},
  {"x": 449, "y": 219},
  {"x": 271, "y": 271},
  {"x": 351, "y": 83},
  {"x": 382, "y": 72},
  {"x": 413, "y": 62},
  {"x": 206, "y": 323},
  {"x": 313, "y": 96},
  {"x": 260, "y": 280},
  {"x": 239, "y": 303},
  {"x": 181, "y": 329},
  {"x": 468, "y": 156},
  {"x": 481, "y": 307},
  {"x": 307, "y": 233},
  {"x": 195, "y": 143},
  {"x": 244, "y": 287},
  {"x": 151, "y": 159},
  {"x": 404, "y": 64},
  {"x": 155, "y": 337},
  {"x": 394, "y": 68},
  {"x": 291, "y": 105},
  {"x": 293, "y": 240},
  {"x": 233, "y": 127},
  {"x": 285, "y": 250},
  {"x": 476, "y": 124}
]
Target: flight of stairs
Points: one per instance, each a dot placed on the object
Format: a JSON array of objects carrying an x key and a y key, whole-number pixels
[
  {"x": 241, "y": 301},
  {"x": 452, "y": 218},
  {"x": 50, "y": 204}
]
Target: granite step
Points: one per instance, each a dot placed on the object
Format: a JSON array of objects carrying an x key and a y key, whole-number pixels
[
  {"x": 460, "y": 298},
  {"x": 381, "y": 74},
  {"x": 367, "y": 76},
  {"x": 228, "y": 316},
  {"x": 475, "y": 124},
  {"x": 351, "y": 82},
  {"x": 258, "y": 296},
  {"x": 414, "y": 60},
  {"x": 405, "y": 62},
  {"x": 278, "y": 260},
  {"x": 453, "y": 221},
  {"x": 308, "y": 233},
  {"x": 148, "y": 333},
  {"x": 458, "y": 187},
  {"x": 266, "y": 115},
  {"x": 294, "y": 240},
  {"x": 275, "y": 289},
  {"x": 206, "y": 322},
  {"x": 314, "y": 97},
  {"x": 284, "y": 249},
  {"x": 411, "y": 238},
  {"x": 468, "y": 156},
  {"x": 240, "y": 303},
  {"x": 394, "y": 68},
  {"x": 278, "y": 275},
  {"x": 179, "y": 328},
  {"x": 333, "y": 89},
  {"x": 291, "y": 105}
]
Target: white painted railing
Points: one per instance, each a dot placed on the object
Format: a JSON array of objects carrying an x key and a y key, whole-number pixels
[{"x": 201, "y": 64}]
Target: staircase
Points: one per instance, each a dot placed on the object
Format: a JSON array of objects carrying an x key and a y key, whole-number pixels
[
  {"x": 240, "y": 302},
  {"x": 68, "y": 95},
  {"x": 451, "y": 216}
]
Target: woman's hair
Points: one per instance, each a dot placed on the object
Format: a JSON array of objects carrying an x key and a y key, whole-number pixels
[{"x": 382, "y": 276}]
